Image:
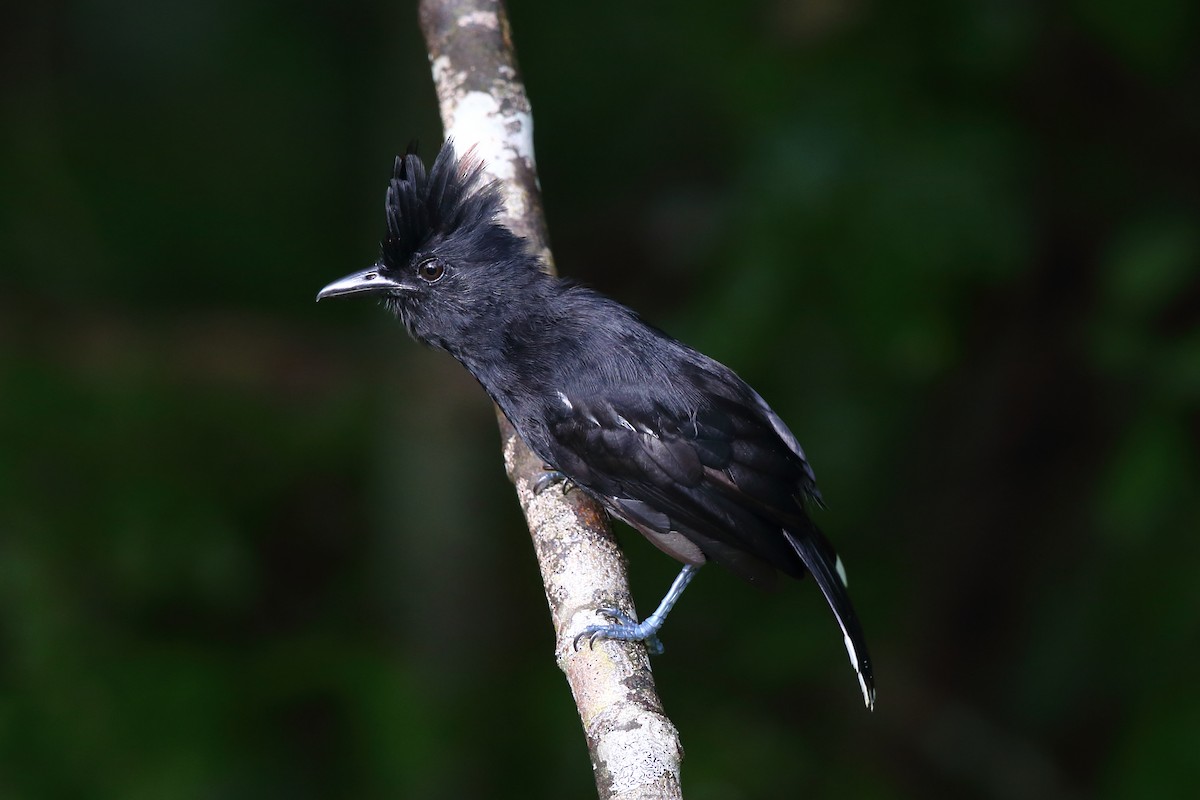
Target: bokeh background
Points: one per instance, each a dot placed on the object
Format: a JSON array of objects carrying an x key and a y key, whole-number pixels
[{"x": 255, "y": 547}]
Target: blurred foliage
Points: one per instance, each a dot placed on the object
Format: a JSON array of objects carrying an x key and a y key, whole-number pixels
[{"x": 252, "y": 547}]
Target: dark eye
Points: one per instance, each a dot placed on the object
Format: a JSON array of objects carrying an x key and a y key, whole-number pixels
[{"x": 431, "y": 270}]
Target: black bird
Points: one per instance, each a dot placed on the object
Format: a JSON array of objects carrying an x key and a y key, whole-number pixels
[{"x": 665, "y": 438}]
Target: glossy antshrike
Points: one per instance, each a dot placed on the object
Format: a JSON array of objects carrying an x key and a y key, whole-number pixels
[{"x": 665, "y": 438}]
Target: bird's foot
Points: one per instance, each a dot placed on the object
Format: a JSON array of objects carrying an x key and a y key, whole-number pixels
[
  {"x": 627, "y": 629},
  {"x": 550, "y": 478}
]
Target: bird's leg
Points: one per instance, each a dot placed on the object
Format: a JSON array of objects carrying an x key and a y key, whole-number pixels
[
  {"x": 628, "y": 629},
  {"x": 549, "y": 477}
]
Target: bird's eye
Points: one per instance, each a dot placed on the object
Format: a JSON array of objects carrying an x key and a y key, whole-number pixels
[{"x": 431, "y": 270}]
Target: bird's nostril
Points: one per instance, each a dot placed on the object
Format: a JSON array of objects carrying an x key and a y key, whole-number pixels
[{"x": 370, "y": 276}]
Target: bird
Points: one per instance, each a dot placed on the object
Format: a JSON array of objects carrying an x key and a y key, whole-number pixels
[{"x": 663, "y": 437}]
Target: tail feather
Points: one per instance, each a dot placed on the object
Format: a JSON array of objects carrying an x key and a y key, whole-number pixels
[{"x": 826, "y": 568}]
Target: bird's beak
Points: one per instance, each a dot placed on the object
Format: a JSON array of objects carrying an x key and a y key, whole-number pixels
[{"x": 368, "y": 280}]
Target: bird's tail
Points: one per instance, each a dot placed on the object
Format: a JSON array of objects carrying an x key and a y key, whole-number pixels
[{"x": 826, "y": 567}]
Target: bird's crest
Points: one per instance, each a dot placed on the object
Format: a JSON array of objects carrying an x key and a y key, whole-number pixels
[{"x": 449, "y": 199}]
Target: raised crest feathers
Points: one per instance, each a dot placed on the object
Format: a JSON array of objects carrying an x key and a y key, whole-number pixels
[{"x": 422, "y": 206}]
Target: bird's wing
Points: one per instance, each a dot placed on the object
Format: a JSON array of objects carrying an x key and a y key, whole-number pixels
[{"x": 718, "y": 473}]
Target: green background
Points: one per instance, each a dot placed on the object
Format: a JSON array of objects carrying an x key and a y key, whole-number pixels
[{"x": 255, "y": 547}]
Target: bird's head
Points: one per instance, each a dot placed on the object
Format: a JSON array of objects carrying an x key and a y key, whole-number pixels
[{"x": 445, "y": 263}]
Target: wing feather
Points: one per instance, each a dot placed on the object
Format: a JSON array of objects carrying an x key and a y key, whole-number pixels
[{"x": 717, "y": 475}]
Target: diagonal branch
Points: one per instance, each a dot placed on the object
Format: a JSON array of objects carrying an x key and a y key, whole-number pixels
[{"x": 634, "y": 747}]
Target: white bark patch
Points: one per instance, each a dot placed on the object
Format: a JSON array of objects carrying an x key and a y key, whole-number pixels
[
  {"x": 479, "y": 121},
  {"x": 484, "y": 19},
  {"x": 636, "y": 760}
]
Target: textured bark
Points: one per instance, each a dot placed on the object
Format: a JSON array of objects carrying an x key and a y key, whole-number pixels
[{"x": 634, "y": 747}]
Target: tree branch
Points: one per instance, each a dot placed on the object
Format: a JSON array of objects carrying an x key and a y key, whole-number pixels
[{"x": 634, "y": 747}]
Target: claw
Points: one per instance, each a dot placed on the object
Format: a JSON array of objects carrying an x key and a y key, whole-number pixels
[
  {"x": 591, "y": 640},
  {"x": 549, "y": 478},
  {"x": 619, "y": 615}
]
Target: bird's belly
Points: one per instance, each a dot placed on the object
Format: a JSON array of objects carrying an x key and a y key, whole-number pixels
[
  {"x": 673, "y": 543},
  {"x": 677, "y": 546}
]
